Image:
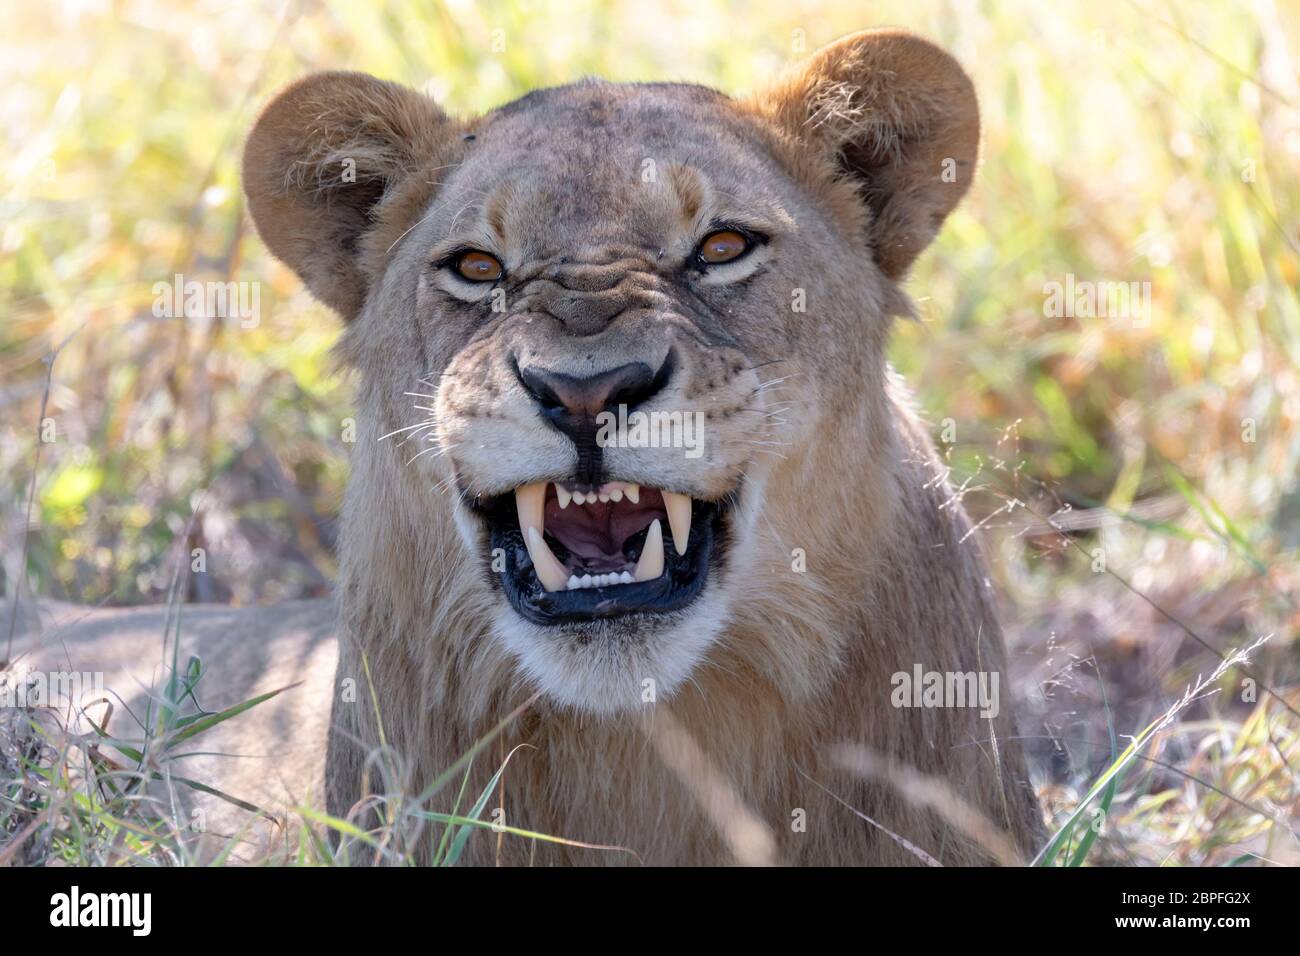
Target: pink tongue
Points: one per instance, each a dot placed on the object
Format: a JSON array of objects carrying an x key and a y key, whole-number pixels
[{"x": 594, "y": 534}]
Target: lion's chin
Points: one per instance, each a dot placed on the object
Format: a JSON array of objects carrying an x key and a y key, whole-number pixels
[{"x": 613, "y": 666}]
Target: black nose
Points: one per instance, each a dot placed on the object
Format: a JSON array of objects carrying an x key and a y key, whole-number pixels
[
  {"x": 629, "y": 385},
  {"x": 571, "y": 403}
]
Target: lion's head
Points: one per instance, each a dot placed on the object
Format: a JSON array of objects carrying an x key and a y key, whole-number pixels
[{"x": 615, "y": 331}]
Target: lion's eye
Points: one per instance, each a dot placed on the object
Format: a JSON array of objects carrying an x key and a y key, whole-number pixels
[
  {"x": 720, "y": 247},
  {"x": 479, "y": 267}
]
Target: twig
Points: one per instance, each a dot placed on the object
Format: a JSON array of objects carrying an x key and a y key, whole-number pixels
[{"x": 31, "y": 496}]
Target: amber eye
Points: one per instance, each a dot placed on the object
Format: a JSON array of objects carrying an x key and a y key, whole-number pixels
[
  {"x": 479, "y": 267},
  {"x": 723, "y": 246}
]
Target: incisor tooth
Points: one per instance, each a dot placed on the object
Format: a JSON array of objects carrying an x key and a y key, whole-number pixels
[
  {"x": 651, "y": 563},
  {"x": 548, "y": 567},
  {"x": 563, "y": 496},
  {"x": 633, "y": 493},
  {"x": 616, "y": 494},
  {"x": 679, "y": 518},
  {"x": 529, "y": 500}
]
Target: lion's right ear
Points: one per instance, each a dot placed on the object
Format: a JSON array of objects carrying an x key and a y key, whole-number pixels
[{"x": 319, "y": 161}]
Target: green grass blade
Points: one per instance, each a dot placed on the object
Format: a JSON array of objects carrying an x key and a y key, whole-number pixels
[
  {"x": 463, "y": 834},
  {"x": 224, "y": 715}
]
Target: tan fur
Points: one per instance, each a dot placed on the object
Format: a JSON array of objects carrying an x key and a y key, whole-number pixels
[{"x": 842, "y": 162}]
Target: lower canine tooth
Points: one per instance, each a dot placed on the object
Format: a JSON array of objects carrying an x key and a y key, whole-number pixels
[
  {"x": 651, "y": 563},
  {"x": 549, "y": 570},
  {"x": 679, "y": 518}
]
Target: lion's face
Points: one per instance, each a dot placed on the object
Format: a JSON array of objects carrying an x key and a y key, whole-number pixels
[
  {"x": 647, "y": 261},
  {"x": 598, "y": 319}
]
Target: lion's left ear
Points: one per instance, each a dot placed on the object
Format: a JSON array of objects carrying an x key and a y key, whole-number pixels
[{"x": 896, "y": 114}]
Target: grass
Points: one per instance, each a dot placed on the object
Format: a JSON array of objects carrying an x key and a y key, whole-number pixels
[
  {"x": 85, "y": 798},
  {"x": 1134, "y": 478},
  {"x": 99, "y": 798}
]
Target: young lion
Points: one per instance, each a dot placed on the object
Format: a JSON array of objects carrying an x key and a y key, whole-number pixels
[{"x": 633, "y": 481}]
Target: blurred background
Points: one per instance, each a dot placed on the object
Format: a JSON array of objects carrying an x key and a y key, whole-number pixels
[{"x": 1134, "y": 476}]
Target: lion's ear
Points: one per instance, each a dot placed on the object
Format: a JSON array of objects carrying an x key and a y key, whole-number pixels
[
  {"x": 321, "y": 157},
  {"x": 899, "y": 116}
]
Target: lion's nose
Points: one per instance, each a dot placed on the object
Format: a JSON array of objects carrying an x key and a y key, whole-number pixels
[
  {"x": 572, "y": 403},
  {"x": 629, "y": 385}
]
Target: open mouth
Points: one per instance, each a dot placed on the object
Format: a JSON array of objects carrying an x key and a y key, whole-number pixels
[{"x": 578, "y": 554}]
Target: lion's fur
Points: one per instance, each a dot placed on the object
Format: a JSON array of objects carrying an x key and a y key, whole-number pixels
[{"x": 771, "y": 669}]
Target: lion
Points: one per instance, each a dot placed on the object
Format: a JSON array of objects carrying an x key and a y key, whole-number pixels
[{"x": 638, "y": 510}]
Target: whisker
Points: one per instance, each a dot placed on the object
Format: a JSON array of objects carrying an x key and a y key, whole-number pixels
[
  {"x": 415, "y": 434},
  {"x": 440, "y": 449},
  {"x": 395, "y": 431},
  {"x": 422, "y": 453}
]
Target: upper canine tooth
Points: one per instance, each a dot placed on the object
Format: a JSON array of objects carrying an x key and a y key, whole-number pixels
[
  {"x": 679, "y": 518},
  {"x": 562, "y": 495},
  {"x": 529, "y": 502},
  {"x": 633, "y": 493},
  {"x": 651, "y": 563},
  {"x": 549, "y": 570}
]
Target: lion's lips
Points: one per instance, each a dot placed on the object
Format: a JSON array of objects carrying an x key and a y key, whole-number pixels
[
  {"x": 596, "y": 529},
  {"x": 599, "y": 560}
]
